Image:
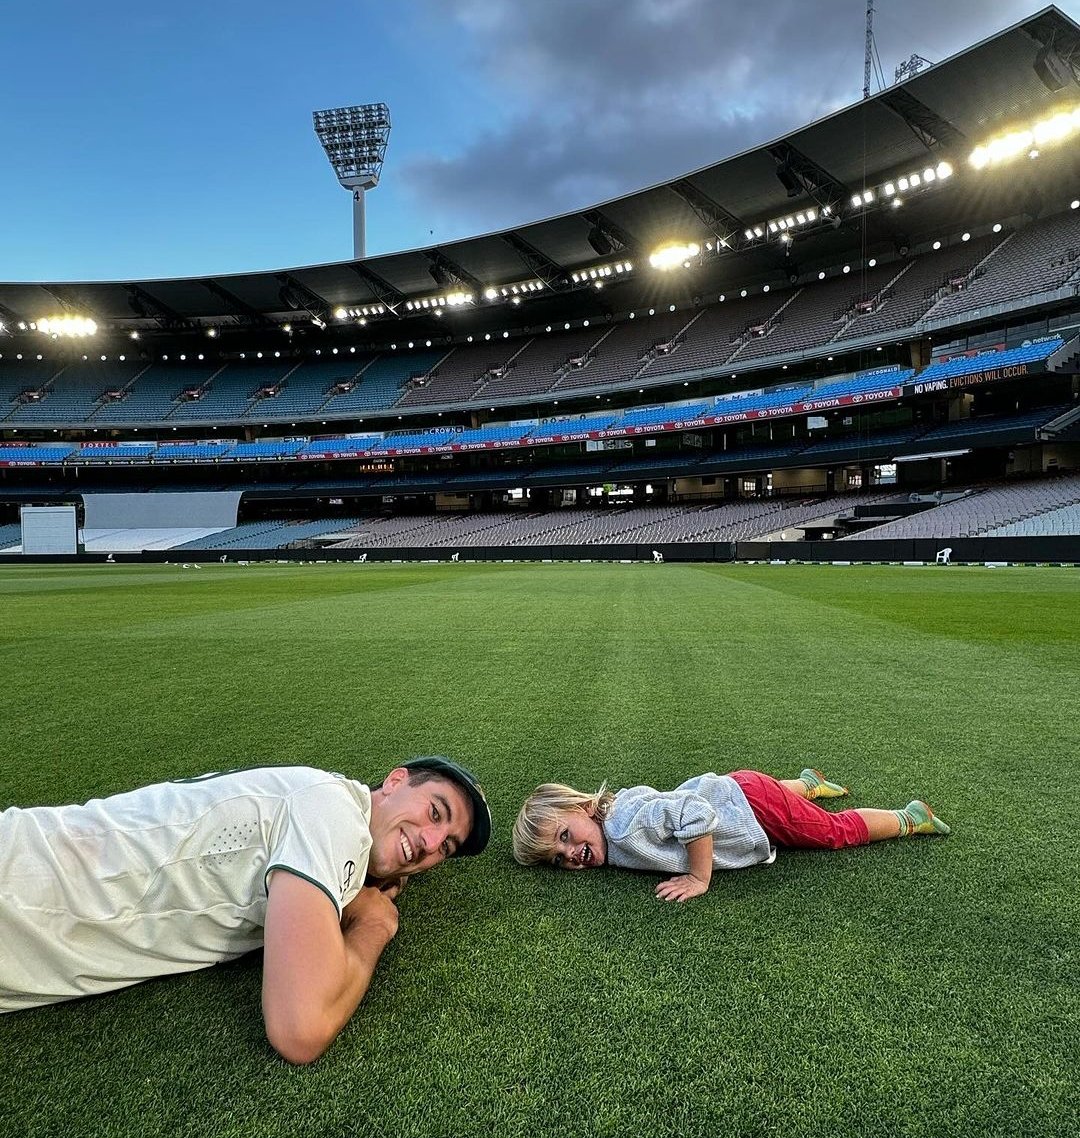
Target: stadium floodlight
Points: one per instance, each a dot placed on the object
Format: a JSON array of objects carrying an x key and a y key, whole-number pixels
[
  {"x": 597, "y": 274},
  {"x": 674, "y": 255},
  {"x": 436, "y": 304},
  {"x": 56, "y": 326},
  {"x": 1058, "y": 127},
  {"x": 354, "y": 139}
]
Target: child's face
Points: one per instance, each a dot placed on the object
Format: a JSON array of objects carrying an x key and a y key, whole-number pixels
[{"x": 578, "y": 841}]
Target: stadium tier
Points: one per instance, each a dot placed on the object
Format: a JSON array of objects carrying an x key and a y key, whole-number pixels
[
  {"x": 984, "y": 511},
  {"x": 268, "y": 535},
  {"x": 890, "y": 300},
  {"x": 876, "y": 385}
]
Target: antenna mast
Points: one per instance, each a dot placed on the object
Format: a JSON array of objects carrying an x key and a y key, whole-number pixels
[{"x": 869, "y": 48}]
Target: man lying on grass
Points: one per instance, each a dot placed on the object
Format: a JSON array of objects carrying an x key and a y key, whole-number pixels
[
  {"x": 185, "y": 874},
  {"x": 710, "y": 822}
]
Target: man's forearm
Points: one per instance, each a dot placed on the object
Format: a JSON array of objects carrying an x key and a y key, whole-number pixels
[
  {"x": 363, "y": 943},
  {"x": 316, "y": 969}
]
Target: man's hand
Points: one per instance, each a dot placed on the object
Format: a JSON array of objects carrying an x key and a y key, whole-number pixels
[
  {"x": 681, "y": 888},
  {"x": 372, "y": 912}
]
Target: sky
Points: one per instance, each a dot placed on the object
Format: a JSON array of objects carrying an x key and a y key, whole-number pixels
[{"x": 145, "y": 141}]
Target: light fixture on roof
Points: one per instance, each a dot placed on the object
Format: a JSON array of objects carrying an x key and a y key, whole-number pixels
[
  {"x": 913, "y": 180},
  {"x": 1046, "y": 132},
  {"x": 67, "y": 326},
  {"x": 581, "y": 276},
  {"x": 455, "y": 299},
  {"x": 674, "y": 255}
]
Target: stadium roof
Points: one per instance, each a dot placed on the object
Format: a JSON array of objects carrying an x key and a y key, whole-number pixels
[{"x": 1020, "y": 76}]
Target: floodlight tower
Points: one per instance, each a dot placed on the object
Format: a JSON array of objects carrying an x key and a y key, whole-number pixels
[{"x": 354, "y": 139}]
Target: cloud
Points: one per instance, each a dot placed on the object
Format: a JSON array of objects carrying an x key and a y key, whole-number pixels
[{"x": 606, "y": 96}]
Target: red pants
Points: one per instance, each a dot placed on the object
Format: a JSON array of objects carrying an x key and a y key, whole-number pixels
[{"x": 789, "y": 820}]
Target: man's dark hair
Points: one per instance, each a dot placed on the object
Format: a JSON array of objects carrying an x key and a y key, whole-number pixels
[{"x": 417, "y": 777}]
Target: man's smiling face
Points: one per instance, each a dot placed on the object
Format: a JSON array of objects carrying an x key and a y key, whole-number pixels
[{"x": 415, "y": 825}]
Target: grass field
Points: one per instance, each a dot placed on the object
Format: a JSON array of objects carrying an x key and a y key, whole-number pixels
[{"x": 920, "y": 987}]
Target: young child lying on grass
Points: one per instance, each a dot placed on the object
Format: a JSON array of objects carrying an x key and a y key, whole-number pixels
[{"x": 710, "y": 822}]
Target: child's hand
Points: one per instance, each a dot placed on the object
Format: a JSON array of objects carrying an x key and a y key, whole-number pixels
[{"x": 681, "y": 888}]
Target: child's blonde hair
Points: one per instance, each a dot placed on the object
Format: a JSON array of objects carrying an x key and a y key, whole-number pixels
[{"x": 538, "y": 818}]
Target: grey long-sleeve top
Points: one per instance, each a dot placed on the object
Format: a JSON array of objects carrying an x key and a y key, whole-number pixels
[{"x": 649, "y": 829}]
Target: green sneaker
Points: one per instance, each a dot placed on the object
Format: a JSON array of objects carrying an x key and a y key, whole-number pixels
[
  {"x": 924, "y": 820},
  {"x": 819, "y": 786}
]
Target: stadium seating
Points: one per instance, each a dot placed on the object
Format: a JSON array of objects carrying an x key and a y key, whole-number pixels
[
  {"x": 869, "y": 445},
  {"x": 654, "y": 416},
  {"x": 18, "y": 377},
  {"x": 231, "y": 393},
  {"x": 542, "y": 361},
  {"x": 403, "y": 439},
  {"x": 462, "y": 373},
  {"x": 1019, "y": 427},
  {"x": 176, "y": 452},
  {"x": 379, "y": 383},
  {"x": 573, "y": 425},
  {"x": 494, "y": 434},
  {"x": 268, "y": 535},
  {"x": 626, "y": 351},
  {"x": 154, "y": 393},
  {"x": 922, "y": 282},
  {"x": 309, "y": 385},
  {"x": 815, "y": 314},
  {"x": 719, "y": 332},
  {"x": 1036, "y": 259},
  {"x": 1065, "y": 520},
  {"x": 741, "y": 520},
  {"x": 42, "y": 452},
  {"x": 137, "y": 540},
  {"x": 272, "y": 448},
  {"x": 119, "y": 452},
  {"x": 73, "y": 393},
  {"x": 982, "y": 511},
  {"x": 984, "y": 361},
  {"x": 317, "y": 448}
]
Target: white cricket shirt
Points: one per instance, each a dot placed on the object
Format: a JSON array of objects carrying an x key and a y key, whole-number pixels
[{"x": 167, "y": 878}]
